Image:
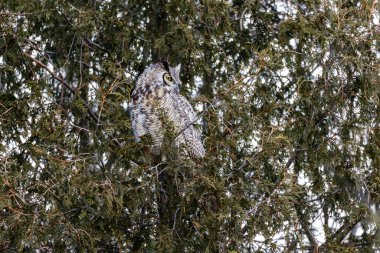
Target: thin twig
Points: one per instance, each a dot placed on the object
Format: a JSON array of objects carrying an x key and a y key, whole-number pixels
[{"x": 6, "y": 111}]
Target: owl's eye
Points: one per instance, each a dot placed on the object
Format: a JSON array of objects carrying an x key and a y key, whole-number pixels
[{"x": 168, "y": 79}]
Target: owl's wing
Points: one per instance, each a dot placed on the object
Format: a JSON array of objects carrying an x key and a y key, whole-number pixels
[
  {"x": 179, "y": 110},
  {"x": 183, "y": 117},
  {"x": 186, "y": 107}
]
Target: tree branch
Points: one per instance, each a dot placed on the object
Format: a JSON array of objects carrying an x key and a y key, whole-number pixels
[
  {"x": 305, "y": 226},
  {"x": 61, "y": 80},
  {"x": 346, "y": 228}
]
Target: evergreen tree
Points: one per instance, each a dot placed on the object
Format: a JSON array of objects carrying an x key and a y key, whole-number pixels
[{"x": 288, "y": 93}]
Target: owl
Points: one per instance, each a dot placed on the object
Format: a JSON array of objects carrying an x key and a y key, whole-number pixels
[{"x": 156, "y": 106}]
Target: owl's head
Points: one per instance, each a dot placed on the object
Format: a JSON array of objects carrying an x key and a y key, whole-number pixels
[
  {"x": 171, "y": 75},
  {"x": 161, "y": 73}
]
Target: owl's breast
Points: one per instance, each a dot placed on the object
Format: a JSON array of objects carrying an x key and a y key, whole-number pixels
[{"x": 158, "y": 92}]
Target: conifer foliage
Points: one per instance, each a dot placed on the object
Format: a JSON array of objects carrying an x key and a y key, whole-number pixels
[{"x": 288, "y": 95}]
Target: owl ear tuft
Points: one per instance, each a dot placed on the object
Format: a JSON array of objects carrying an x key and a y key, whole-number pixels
[
  {"x": 166, "y": 64},
  {"x": 175, "y": 72},
  {"x": 177, "y": 68}
]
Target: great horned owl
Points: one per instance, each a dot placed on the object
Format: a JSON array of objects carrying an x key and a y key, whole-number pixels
[{"x": 156, "y": 104}]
